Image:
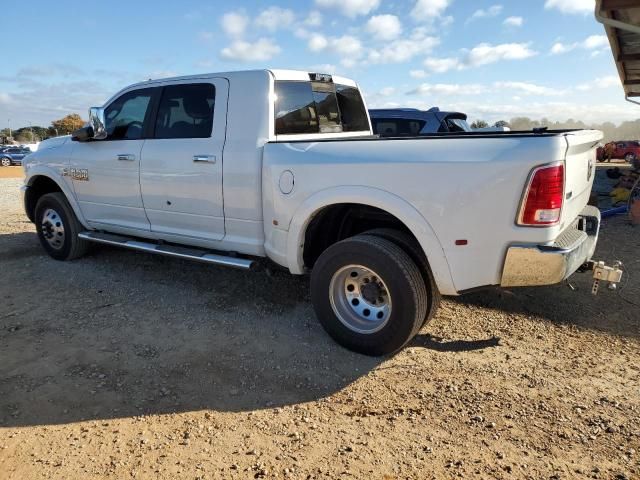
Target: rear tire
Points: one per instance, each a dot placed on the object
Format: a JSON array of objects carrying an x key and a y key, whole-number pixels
[
  {"x": 368, "y": 295},
  {"x": 58, "y": 228},
  {"x": 412, "y": 248},
  {"x": 5, "y": 162},
  {"x": 629, "y": 158}
]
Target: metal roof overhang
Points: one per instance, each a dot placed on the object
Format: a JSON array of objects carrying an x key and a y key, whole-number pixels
[{"x": 621, "y": 20}]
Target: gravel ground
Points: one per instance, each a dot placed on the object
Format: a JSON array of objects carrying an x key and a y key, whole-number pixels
[{"x": 126, "y": 365}]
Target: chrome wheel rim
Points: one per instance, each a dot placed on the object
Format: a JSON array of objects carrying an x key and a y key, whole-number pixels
[
  {"x": 360, "y": 299},
  {"x": 53, "y": 228},
  {"x": 6, "y": 162}
]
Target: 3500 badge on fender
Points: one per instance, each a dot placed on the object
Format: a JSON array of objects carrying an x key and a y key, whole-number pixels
[{"x": 81, "y": 174}]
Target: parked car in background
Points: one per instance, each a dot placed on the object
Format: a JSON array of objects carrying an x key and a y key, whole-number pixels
[
  {"x": 629, "y": 150},
  {"x": 398, "y": 122},
  {"x": 13, "y": 155}
]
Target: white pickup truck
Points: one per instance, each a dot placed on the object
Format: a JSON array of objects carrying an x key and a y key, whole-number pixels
[{"x": 229, "y": 168}]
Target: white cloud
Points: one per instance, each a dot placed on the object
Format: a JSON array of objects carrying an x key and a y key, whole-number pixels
[
  {"x": 529, "y": 88},
  {"x": 513, "y": 21},
  {"x": 350, "y": 8},
  {"x": 347, "y": 46},
  {"x": 596, "y": 41},
  {"x": 5, "y": 97},
  {"x": 387, "y": 91},
  {"x": 485, "y": 53},
  {"x": 314, "y": 19},
  {"x": 234, "y": 23},
  {"x": 402, "y": 50},
  {"x": 417, "y": 73},
  {"x": 275, "y": 18},
  {"x": 608, "y": 81},
  {"x": 560, "y": 48},
  {"x": 482, "y": 54},
  {"x": 353, "y": 52},
  {"x": 492, "y": 11},
  {"x": 259, "y": 51},
  {"x": 571, "y": 6},
  {"x": 429, "y": 9},
  {"x": 442, "y": 65},
  {"x": 384, "y": 27},
  {"x": 476, "y": 89},
  {"x": 448, "y": 89},
  {"x": 317, "y": 42},
  {"x": 592, "y": 42}
]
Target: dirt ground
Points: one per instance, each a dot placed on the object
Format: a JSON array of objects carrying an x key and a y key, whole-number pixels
[
  {"x": 11, "y": 172},
  {"x": 125, "y": 365}
]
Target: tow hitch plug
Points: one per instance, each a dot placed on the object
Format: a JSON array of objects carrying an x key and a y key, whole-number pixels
[{"x": 604, "y": 273}]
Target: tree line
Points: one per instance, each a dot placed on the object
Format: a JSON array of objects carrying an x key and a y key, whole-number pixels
[
  {"x": 35, "y": 133},
  {"x": 629, "y": 130}
]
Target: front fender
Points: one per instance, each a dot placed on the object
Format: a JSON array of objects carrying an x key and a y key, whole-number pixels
[
  {"x": 372, "y": 197},
  {"x": 54, "y": 173}
]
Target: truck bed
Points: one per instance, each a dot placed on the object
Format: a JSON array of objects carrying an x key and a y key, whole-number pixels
[{"x": 466, "y": 186}]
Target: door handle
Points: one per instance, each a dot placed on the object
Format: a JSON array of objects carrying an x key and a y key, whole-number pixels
[
  {"x": 126, "y": 157},
  {"x": 204, "y": 158}
]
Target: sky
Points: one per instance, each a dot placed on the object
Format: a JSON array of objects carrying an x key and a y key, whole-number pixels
[{"x": 490, "y": 59}]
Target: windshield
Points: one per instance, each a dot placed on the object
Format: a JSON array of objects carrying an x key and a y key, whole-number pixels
[{"x": 318, "y": 107}]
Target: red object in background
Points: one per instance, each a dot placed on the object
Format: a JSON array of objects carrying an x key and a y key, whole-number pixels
[{"x": 627, "y": 150}]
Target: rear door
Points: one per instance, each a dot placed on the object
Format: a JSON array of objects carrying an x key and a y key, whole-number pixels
[{"x": 181, "y": 166}]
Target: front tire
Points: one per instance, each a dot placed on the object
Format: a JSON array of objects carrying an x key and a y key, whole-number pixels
[
  {"x": 58, "y": 228},
  {"x": 5, "y": 162},
  {"x": 368, "y": 295},
  {"x": 629, "y": 158}
]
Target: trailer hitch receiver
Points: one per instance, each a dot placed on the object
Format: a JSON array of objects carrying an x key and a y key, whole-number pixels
[{"x": 605, "y": 273}]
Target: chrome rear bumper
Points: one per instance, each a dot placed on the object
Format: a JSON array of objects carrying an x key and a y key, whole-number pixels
[{"x": 530, "y": 265}]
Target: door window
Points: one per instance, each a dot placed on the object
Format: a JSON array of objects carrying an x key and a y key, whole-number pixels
[
  {"x": 186, "y": 111},
  {"x": 124, "y": 118}
]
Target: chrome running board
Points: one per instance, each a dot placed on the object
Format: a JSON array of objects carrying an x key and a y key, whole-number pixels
[{"x": 175, "y": 251}]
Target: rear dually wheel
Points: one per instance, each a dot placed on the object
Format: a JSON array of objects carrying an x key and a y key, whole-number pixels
[{"x": 368, "y": 295}]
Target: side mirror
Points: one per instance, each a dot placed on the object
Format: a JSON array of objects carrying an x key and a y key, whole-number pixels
[
  {"x": 97, "y": 123},
  {"x": 82, "y": 134}
]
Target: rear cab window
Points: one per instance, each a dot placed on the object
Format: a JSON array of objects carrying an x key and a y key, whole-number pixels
[{"x": 318, "y": 107}]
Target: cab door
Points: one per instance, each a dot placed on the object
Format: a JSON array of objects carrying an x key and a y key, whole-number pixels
[
  {"x": 106, "y": 172},
  {"x": 181, "y": 164}
]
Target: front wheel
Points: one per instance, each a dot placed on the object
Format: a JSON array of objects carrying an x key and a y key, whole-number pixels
[
  {"x": 58, "y": 228},
  {"x": 368, "y": 295},
  {"x": 629, "y": 158},
  {"x": 5, "y": 162}
]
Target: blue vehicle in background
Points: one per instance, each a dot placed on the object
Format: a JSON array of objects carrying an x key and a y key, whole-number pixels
[
  {"x": 12, "y": 155},
  {"x": 399, "y": 122}
]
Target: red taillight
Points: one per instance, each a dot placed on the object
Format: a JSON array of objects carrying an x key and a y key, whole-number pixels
[{"x": 544, "y": 196}]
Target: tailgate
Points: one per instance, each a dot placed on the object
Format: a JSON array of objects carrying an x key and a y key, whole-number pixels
[{"x": 580, "y": 169}]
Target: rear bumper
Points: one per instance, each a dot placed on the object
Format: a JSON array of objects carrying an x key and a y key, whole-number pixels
[{"x": 530, "y": 265}]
